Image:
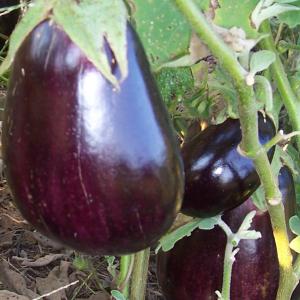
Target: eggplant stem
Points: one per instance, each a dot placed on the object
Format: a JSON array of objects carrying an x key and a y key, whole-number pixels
[
  {"x": 126, "y": 266},
  {"x": 139, "y": 275}
]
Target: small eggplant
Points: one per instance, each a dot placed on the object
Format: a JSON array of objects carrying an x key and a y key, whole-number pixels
[
  {"x": 193, "y": 269},
  {"x": 217, "y": 177},
  {"x": 95, "y": 168}
]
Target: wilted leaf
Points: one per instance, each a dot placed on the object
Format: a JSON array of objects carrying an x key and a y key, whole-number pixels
[
  {"x": 14, "y": 281},
  {"x": 46, "y": 242},
  {"x": 56, "y": 279},
  {"x": 6, "y": 295},
  {"x": 40, "y": 262}
]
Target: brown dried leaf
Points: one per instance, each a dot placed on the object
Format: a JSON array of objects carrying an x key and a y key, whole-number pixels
[
  {"x": 40, "y": 262},
  {"x": 46, "y": 242},
  {"x": 14, "y": 281},
  {"x": 6, "y": 238},
  {"x": 6, "y": 295},
  {"x": 56, "y": 279}
]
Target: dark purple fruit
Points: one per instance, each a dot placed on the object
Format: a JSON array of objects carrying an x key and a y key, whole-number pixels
[
  {"x": 286, "y": 186},
  {"x": 217, "y": 177},
  {"x": 95, "y": 168},
  {"x": 8, "y": 21},
  {"x": 193, "y": 269}
]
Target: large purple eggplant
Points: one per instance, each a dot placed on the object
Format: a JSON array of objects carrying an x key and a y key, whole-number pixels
[
  {"x": 193, "y": 269},
  {"x": 8, "y": 21},
  {"x": 95, "y": 168},
  {"x": 218, "y": 177}
]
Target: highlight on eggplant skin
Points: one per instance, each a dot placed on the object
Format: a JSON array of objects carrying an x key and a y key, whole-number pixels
[
  {"x": 98, "y": 170},
  {"x": 217, "y": 177},
  {"x": 193, "y": 268}
]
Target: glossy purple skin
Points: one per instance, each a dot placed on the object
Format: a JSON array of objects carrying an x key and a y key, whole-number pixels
[
  {"x": 193, "y": 268},
  {"x": 96, "y": 169},
  {"x": 217, "y": 177}
]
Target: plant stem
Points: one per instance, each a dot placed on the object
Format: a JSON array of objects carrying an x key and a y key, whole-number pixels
[
  {"x": 250, "y": 143},
  {"x": 279, "y": 137},
  {"x": 228, "y": 261},
  {"x": 125, "y": 271},
  {"x": 290, "y": 100},
  {"x": 278, "y": 35},
  {"x": 227, "y": 271},
  {"x": 139, "y": 275}
]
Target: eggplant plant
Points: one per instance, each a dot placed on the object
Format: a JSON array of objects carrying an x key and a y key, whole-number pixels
[
  {"x": 193, "y": 269},
  {"x": 92, "y": 158}
]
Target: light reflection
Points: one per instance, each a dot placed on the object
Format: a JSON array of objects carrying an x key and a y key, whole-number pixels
[
  {"x": 91, "y": 108},
  {"x": 202, "y": 163}
]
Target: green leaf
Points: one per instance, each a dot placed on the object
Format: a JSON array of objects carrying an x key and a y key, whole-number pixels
[
  {"x": 230, "y": 13},
  {"x": 35, "y": 14},
  {"x": 81, "y": 263},
  {"x": 247, "y": 221},
  {"x": 258, "y": 198},
  {"x": 286, "y": 1},
  {"x": 295, "y": 224},
  {"x": 89, "y": 24},
  {"x": 259, "y": 61},
  {"x": 249, "y": 235},
  {"x": 291, "y": 18},
  {"x": 295, "y": 244},
  {"x": 262, "y": 13},
  {"x": 168, "y": 241},
  {"x": 111, "y": 265},
  {"x": 164, "y": 32},
  {"x": 117, "y": 295},
  {"x": 264, "y": 93}
]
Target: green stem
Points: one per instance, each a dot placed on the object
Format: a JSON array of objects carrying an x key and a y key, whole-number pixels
[
  {"x": 250, "y": 142},
  {"x": 290, "y": 100},
  {"x": 139, "y": 275},
  {"x": 279, "y": 137},
  {"x": 278, "y": 35},
  {"x": 125, "y": 270},
  {"x": 228, "y": 262}
]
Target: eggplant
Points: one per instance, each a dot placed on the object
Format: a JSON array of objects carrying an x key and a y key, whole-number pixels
[
  {"x": 95, "y": 168},
  {"x": 217, "y": 177},
  {"x": 8, "y": 21},
  {"x": 193, "y": 269}
]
